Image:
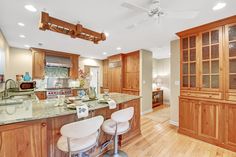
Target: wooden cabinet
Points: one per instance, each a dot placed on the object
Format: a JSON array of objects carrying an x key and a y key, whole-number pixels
[
  {"x": 28, "y": 139},
  {"x": 211, "y": 60},
  {"x": 105, "y": 74},
  {"x": 131, "y": 68},
  {"x": 189, "y": 62},
  {"x": 230, "y": 127},
  {"x": 230, "y": 40},
  {"x": 135, "y": 122},
  {"x": 74, "y": 68},
  {"x": 209, "y": 120},
  {"x": 38, "y": 59},
  {"x": 53, "y": 132},
  {"x": 188, "y": 115},
  {"x": 121, "y": 73},
  {"x": 41, "y": 95},
  {"x": 212, "y": 48},
  {"x": 115, "y": 73}
]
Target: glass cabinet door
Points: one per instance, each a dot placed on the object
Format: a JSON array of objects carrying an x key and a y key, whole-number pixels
[
  {"x": 231, "y": 41},
  {"x": 210, "y": 59},
  {"x": 188, "y": 62}
]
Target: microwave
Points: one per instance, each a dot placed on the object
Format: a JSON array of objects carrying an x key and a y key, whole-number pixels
[{"x": 26, "y": 85}]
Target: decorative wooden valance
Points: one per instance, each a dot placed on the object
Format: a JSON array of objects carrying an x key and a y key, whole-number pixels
[{"x": 75, "y": 31}]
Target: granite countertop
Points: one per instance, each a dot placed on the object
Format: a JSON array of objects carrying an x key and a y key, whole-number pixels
[{"x": 34, "y": 110}]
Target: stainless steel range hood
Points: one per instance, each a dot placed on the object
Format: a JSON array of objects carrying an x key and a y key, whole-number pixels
[{"x": 55, "y": 61}]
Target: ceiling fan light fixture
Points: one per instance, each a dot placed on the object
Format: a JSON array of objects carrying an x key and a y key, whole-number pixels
[{"x": 219, "y": 5}]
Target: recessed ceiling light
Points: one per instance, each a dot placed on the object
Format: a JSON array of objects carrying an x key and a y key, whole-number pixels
[
  {"x": 104, "y": 53},
  {"x": 118, "y": 48},
  {"x": 27, "y": 46},
  {"x": 21, "y": 24},
  {"x": 30, "y": 8},
  {"x": 219, "y": 6},
  {"x": 22, "y": 36}
]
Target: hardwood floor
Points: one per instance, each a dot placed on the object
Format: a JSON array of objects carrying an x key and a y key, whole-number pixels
[{"x": 162, "y": 140}]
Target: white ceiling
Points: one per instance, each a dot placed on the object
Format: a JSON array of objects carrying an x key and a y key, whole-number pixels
[{"x": 104, "y": 15}]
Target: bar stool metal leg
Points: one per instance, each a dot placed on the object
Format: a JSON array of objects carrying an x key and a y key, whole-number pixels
[{"x": 116, "y": 152}]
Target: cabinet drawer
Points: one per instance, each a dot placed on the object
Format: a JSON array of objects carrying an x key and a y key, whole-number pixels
[
  {"x": 203, "y": 95},
  {"x": 231, "y": 96}
]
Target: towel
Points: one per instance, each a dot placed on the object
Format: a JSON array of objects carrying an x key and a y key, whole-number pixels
[
  {"x": 82, "y": 111},
  {"x": 112, "y": 104}
]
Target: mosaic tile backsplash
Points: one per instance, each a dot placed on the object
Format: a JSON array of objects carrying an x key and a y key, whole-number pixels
[{"x": 56, "y": 72}]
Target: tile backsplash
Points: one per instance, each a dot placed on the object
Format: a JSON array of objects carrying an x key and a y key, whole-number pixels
[{"x": 56, "y": 72}]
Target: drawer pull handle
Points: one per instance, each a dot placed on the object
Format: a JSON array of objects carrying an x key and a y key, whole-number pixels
[{"x": 44, "y": 124}]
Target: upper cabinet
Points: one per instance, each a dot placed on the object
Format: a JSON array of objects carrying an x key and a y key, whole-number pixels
[
  {"x": 189, "y": 62},
  {"x": 39, "y": 62},
  {"x": 74, "y": 66},
  {"x": 208, "y": 60},
  {"x": 38, "y": 66},
  {"x": 105, "y": 73},
  {"x": 230, "y": 52},
  {"x": 121, "y": 73},
  {"x": 115, "y": 73},
  {"x": 211, "y": 59}
]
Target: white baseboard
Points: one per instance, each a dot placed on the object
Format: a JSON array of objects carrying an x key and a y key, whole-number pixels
[
  {"x": 174, "y": 123},
  {"x": 145, "y": 112}
]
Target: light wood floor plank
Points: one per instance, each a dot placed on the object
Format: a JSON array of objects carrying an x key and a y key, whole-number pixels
[{"x": 163, "y": 140}]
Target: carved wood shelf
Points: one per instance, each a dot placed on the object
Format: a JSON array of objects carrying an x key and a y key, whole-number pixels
[{"x": 74, "y": 30}]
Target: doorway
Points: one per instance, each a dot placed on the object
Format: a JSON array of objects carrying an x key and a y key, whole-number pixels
[{"x": 94, "y": 77}]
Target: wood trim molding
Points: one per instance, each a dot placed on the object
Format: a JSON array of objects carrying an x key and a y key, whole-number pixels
[{"x": 208, "y": 26}]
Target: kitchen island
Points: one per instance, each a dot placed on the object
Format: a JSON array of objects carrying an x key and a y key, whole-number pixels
[{"x": 32, "y": 129}]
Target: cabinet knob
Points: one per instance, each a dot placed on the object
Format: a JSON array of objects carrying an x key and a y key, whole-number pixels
[{"x": 43, "y": 124}]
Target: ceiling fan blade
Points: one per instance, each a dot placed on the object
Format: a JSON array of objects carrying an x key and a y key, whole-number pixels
[
  {"x": 134, "y": 7},
  {"x": 181, "y": 14}
]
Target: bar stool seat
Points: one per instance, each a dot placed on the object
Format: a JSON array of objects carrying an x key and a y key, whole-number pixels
[
  {"x": 81, "y": 136},
  {"x": 118, "y": 124},
  {"x": 77, "y": 144},
  {"x": 109, "y": 126}
]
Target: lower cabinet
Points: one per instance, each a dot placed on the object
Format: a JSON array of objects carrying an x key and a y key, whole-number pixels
[
  {"x": 230, "y": 127},
  {"x": 135, "y": 122},
  {"x": 188, "y": 115},
  {"x": 27, "y": 139},
  {"x": 210, "y": 121}
]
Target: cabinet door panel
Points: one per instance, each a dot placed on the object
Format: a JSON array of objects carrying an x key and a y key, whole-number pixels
[
  {"x": 230, "y": 134},
  {"x": 188, "y": 115},
  {"x": 208, "y": 120},
  {"x": 27, "y": 139},
  {"x": 38, "y": 71}
]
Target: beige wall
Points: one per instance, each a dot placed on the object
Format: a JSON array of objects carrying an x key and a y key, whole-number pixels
[
  {"x": 20, "y": 61},
  {"x": 146, "y": 81},
  {"x": 4, "y": 48},
  {"x": 174, "y": 82},
  {"x": 161, "y": 69}
]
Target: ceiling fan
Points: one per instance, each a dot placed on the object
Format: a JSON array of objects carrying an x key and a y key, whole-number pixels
[{"x": 155, "y": 11}]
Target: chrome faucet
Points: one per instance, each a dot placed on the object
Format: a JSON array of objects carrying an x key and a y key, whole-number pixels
[{"x": 6, "y": 95}]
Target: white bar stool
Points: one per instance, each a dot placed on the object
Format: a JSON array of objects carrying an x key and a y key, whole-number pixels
[
  {"x": 79, "y": 137},
  {"x": 118, "y": 125}
]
